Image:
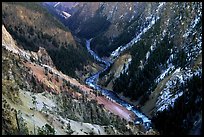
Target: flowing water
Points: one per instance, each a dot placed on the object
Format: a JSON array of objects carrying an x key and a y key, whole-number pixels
[{"x": 92, "y": 82}]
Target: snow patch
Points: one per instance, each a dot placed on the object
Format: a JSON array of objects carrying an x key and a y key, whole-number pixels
[
  {"x": 153, "y": 20},
  {"x": 192, "y": 26},
  {"x": 65, "y": 14},
  {"x": 147, "y": 55},
  {"x": 167, "y": 98},
  {"x": 165, "y": 73},
  {"x": 56, "y": 4}
]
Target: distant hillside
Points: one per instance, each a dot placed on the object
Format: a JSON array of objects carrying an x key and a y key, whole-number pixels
[{"x": 110, "y": 23}]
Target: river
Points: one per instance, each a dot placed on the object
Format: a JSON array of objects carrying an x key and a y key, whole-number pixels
[{"x": 92, "y": 82}]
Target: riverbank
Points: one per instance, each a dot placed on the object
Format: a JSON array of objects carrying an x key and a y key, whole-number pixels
[{"x": 92, "y": 82}]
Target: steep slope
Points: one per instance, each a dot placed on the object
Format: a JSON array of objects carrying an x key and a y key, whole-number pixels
[
  {"x": 33, "y": 27},
  {"x": 110, "y": 23},
  {"x": 166, "y": 50},
  {"x": 163, "y": 61},
  {"x": 153, "y": 59},
  {"x": 155, "y": 49},
  {"x": 39, "y": 99}
]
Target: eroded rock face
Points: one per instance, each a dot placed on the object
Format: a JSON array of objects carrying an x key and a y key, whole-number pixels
[
  {"x": 39, "y": 57},
  {"x": 7, "y": 39},
  {"x": 23, "y": 85},
  {"x": 44, "y": 57}
]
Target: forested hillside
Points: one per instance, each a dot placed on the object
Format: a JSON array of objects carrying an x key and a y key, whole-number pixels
[
  {"x": 160, "y": 51},
  {"x": 37, "y": 99},
  {"x": 165, "y": 63},
  {"x": 161, "y": 45},
  {"x": 34, "y": 27},
  {"x": 102, "y": 68}
]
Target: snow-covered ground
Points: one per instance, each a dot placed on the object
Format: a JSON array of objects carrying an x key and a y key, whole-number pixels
[
  {"x": 192, "y": 26},
  {"x": 56, "y": 4},
  {"x": 65, "y": 14},
  {"x": 167, "y": 97},
  {"x": 191, "y": 52},
  {"x": 152, "y": 19},
  {"x": 165, "y": 72}
]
